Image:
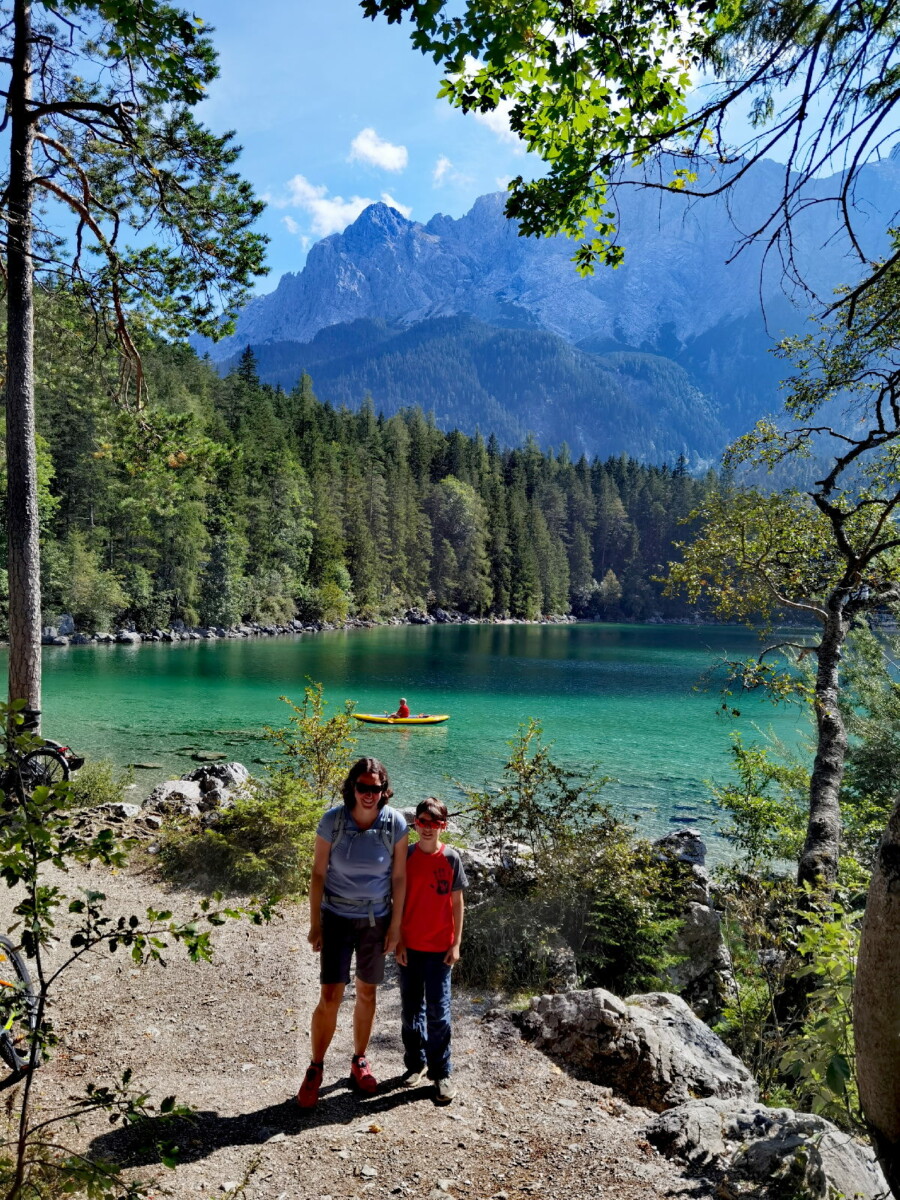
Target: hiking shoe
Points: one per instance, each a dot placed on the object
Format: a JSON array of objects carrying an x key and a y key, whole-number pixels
[
  {"x": 361, "y": 1075},
  {"x": 415, "y": 1076},
  {"x": 308, "y": 1095},
  {"x": 445, "y": 1090}
]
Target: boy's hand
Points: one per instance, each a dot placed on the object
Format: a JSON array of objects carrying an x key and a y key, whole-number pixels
[
  {"x": 314, "y": 937},
  {"x": 392, "y": 940},
  {"x": 400, "y": 954},
  {"x": 451, "y": 958}
]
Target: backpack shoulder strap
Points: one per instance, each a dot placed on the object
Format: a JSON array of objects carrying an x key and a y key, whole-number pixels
[
  {"x": 340, "y": 824},
  {"x": 386, "y": 831}
]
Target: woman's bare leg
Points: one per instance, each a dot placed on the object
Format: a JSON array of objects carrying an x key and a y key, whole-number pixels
[{"x": 324, "y": 1020}]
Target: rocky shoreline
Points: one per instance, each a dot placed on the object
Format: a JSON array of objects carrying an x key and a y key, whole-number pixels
[{"x": 65, "y": 633}]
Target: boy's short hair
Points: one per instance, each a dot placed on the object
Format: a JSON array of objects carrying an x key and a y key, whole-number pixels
[{"x": 436, "y": 809}]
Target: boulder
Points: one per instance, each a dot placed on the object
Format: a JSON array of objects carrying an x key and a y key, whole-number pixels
[
  {"x": 117, "y": 810},
  {"x": 686, "y": 845},
  {"x": 66, "y": 624},
  {"x": 702, "y": 974},
  {"x": 127, "y": 637},
  {"x": 651, "y": 1049},
  {"x": 227, "y": 774},
  {"x": 80, "y": 639},
  {"x": 178, "y": 797},
  {"x": 767, "y": 1153}
]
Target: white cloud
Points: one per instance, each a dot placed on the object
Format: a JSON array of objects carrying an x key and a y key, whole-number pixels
[
  {"x": 290, "y": 225},
  {"x": 497, "y": 120},
  {"x": 327, "y": 214},
  {"x": 369, "y": 148},
  {"x": 389, "y": 200},
  {"x": 442, "y": 169}
]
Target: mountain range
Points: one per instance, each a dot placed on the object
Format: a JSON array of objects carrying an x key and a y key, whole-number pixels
[{"x": 670, "y": 354}]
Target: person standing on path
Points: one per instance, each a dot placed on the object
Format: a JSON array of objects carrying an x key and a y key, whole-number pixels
[
  {"x": 355, "y": 908},
  {"x": 430, "y": 938}
]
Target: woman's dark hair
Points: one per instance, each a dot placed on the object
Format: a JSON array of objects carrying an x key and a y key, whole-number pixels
[{"x": 366, "y": 766}]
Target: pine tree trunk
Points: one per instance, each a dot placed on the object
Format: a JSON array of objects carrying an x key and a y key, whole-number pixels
[
  {"x": 819, "y": 860},
  {"x": 876, "y": 1006},
  {"x": 21, "y": 458}
]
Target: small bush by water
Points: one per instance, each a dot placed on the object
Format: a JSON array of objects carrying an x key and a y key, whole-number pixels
[
  {"x": 580, "y": 895},
  {"x": 264, "y": 842},
  {"x": 98, "y": 782}
]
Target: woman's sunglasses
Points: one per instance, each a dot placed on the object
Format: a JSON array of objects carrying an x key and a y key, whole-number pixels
[{"x": 369, "y": 789}]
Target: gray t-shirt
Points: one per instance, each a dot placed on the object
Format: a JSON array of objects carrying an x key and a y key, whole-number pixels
[{"x": 358, "y": 880}]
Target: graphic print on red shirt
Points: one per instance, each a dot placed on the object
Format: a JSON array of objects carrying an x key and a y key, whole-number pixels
[{"x": 431, "y": 880}]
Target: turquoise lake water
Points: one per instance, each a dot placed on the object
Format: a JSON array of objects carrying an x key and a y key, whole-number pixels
[{"x": 623, "y": 696}]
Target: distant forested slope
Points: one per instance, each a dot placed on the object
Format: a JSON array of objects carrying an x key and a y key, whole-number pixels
[
  {"x": 225, "y": 499},
  {"x": 508, "y": 381}
]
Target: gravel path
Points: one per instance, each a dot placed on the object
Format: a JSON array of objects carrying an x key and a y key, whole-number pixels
[{"x": 230, "y": 1039}]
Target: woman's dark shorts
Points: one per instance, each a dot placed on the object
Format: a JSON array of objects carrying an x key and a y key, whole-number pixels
[{"x": 341, "y": 937}]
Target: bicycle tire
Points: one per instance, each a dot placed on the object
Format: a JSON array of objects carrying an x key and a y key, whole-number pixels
[
  {"x": 18, "y": 1016},
  {"x": 43, "y": 767}
]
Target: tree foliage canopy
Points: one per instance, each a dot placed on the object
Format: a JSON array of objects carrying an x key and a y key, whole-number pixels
[
  {"x": 645, "y": 92},
  {"x": 159, "y": 222}
]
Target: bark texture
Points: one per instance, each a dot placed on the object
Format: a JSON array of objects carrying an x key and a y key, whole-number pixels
[
  {"x": 21, "y": 457},
  {"x": 821, "y": 851},
  {"x": 876, "y": 1006}
]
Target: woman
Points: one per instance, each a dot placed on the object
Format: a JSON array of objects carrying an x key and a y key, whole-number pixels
[{"x": 355, "y": 907}]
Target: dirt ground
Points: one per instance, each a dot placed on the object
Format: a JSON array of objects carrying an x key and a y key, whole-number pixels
[{"x": 230, "y": 1039}]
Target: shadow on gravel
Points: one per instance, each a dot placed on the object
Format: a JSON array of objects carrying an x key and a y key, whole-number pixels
[{"x": 203, "y": 1133}]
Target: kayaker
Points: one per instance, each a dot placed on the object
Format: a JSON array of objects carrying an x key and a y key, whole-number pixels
[
  {"x": 355, "y": 907},
  {"x": 402, "y": 711}
]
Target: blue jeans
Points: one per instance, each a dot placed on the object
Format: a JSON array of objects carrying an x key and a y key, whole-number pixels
[{"x": 425, "y": 995}]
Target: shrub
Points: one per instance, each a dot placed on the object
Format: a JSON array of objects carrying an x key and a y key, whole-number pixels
[
  {"x": 263, "y": 844},
  {"x": 98, "y": 782},
  {"x": 576, "y": 878}
]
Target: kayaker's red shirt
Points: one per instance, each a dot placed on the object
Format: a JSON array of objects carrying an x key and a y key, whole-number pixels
[
  {"x": 403, "y": 710},
  {"x": 431, "y": 880}
]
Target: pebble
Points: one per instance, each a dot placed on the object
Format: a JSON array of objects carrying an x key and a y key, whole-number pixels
[
  {"x": 368, "y": 1172},
  {"x": 277, "y": 1137},
  {"x": 228, "y": 1186}
]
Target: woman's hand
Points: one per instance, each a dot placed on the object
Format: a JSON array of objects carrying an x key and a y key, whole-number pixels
[
  {"x": 400, "y": 954},
  {"x": 451, "y": 958},
  {"x": 392, "y": 939},
  {"x": 314, "y": 937}
]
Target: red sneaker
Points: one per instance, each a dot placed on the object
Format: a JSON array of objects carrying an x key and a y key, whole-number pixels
[
  {"x": 361, "y": 1075},
  {"x": 308, "y": 1095}
]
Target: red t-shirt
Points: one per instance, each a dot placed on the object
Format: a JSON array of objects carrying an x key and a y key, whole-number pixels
[
  {"x": 431, "y": 880},
  {"x": 403, "y": 710}
]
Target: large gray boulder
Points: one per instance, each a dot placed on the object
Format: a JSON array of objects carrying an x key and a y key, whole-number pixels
[
  {"x": 702, "y": 973},
  {"x": 767, "y": 1153},
  {"x": 175, "y": 798},
  {"x": 227, "y": 775},
  {"x": 651, "y": 1049}
]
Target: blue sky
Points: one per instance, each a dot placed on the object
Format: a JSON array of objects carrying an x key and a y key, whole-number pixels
[{"x": 334, "y": 111}]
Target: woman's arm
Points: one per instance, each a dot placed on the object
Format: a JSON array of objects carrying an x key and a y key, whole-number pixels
[
  {"x": 398, "y": 893},
  {"x": 451, "y": 958},
  {"x": 316, "y": 891}
]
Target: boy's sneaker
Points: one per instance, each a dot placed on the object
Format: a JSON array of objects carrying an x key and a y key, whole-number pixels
[
  {"x": 308, "y": 1095},
  {"x": 361, "y": 1075},
  {"x": 446, "y": 1090},
  {"x": 415, "y": 1077}
]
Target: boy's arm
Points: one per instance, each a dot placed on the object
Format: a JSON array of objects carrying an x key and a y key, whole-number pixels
[
  {"x": 451, "y": 958},
  {"x": 316, "y": 891},
  {"x": 398, "y": 893}
]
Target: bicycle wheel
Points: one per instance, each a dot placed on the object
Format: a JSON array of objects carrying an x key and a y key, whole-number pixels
[
  {"x": 18, "y": 1008},
  {"x": 43, "y": 767}
]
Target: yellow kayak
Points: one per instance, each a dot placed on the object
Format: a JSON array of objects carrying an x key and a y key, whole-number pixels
[{"x": 384, "y": 719}]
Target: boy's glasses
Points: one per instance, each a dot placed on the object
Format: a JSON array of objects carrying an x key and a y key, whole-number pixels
[
  {"x": 369, "y": 789},
  {"x": 420, "y": 824}
]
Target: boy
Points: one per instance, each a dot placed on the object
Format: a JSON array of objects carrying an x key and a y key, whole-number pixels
[{"x": 430, "y": 937}]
